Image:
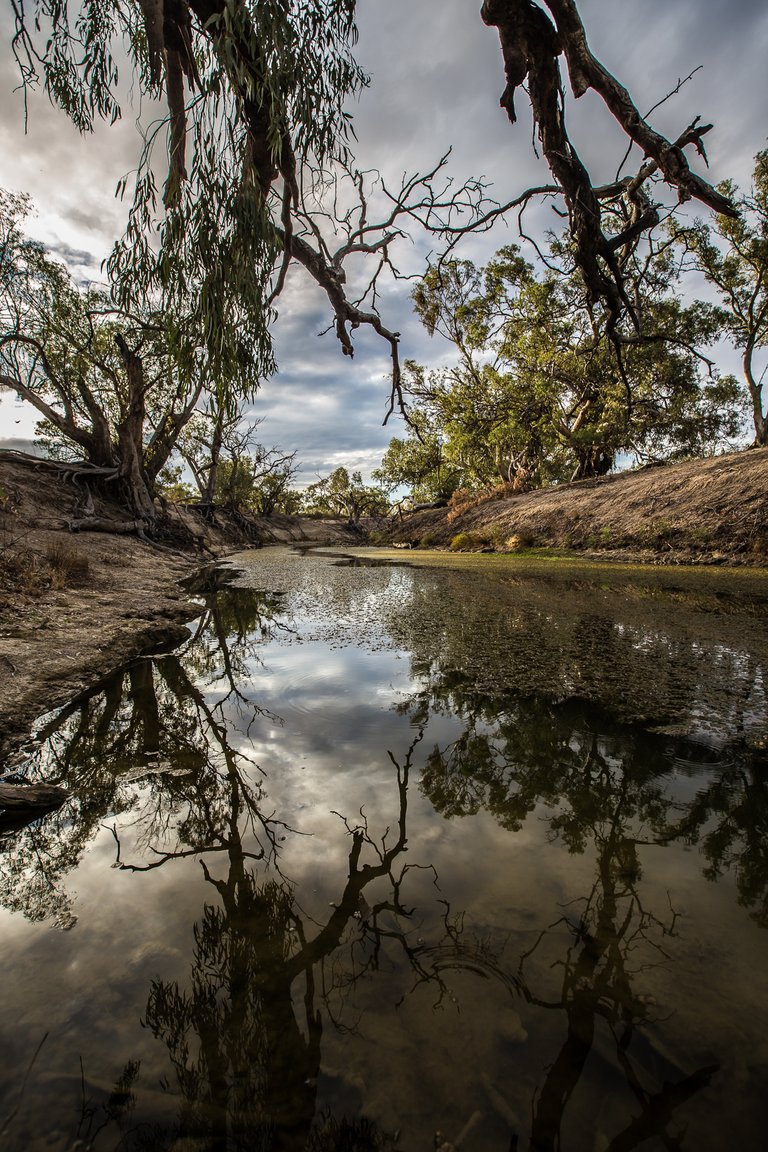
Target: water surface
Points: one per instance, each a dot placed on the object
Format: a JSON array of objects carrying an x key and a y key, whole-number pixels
[{"x": 392, "y": 857}]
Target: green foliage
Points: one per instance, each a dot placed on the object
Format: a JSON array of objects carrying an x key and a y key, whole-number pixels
[
  {"x": 539, "y": 393},
  {"x": 171, "y": 486},
  {"x": 469, "y": 542},
  {"x": 418, "y": 463},
  {"x": 256, "y": 483},
  {"x": 255, "y": 91},
  {"x": 113, "y": 388},
  {"x": 344, "y": 494},
  {"x": 733, "y": 256}
]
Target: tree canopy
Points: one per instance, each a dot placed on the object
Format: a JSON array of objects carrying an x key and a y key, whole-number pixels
[
  {"x": 115, "y": 387},
  {"x": 257, "y": 123},
  {"x": 536, "y": 394}
]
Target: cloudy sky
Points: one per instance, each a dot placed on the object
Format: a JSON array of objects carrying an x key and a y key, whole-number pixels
[{"x": 436, "y": 77}]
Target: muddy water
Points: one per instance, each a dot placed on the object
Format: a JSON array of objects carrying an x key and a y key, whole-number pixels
[{"x": 391, "y": 858}]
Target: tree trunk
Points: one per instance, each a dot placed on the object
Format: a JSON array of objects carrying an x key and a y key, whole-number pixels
[
  {"x": 213, "y": 472},
  {"x": 756, "y": 396},
  {"x": 135, "y": 487},
  {"x": 25, "y": 797}
]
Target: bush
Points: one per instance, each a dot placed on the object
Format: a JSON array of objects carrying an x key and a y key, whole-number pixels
[
  {"x": 469, "y": 542},
  {"x": 520, "y": 540}
]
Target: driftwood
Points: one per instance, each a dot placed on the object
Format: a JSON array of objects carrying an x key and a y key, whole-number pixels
[{"x": 31, "y": 797}]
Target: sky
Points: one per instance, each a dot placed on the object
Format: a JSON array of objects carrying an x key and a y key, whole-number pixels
[{"x": 436, "y": 78}]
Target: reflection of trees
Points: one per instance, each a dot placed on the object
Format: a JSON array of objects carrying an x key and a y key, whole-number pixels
[
  {"x": 225, "y": 647},
  {"x": 245, "y": 1055},
  {"x": 515, "y": 753},
  {"x": 148, "y": 739},
  {"x": 612, "y": 939},
  {"x": 602, "y": 788},
  {"x": 728, "y": 819}
]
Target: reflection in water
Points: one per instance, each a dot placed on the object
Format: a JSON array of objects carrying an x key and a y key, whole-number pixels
[{"x": 507, "y": 987}]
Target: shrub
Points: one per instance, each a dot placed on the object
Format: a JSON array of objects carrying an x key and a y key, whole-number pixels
[
  {"x": 520, "y": 540},
  {"x": 429, "y": 540},
  {"x": 469, "y": 542},
  {"x": 20, "y": 573}
]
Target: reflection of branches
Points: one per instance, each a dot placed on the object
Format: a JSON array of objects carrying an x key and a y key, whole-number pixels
[
  {"x": 218, "y": 797},
  {"x": 601, "y": 789},
  {"x": 147, "y": 738},
  {"x": 226, "y": 644},
  {"x": 728, "y": 818},
  {"x": 596, "y": 985},
  {"x": 245, "y": 1065}
]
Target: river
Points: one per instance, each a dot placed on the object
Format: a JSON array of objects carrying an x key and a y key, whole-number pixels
[{"x": 396, "y": 856}]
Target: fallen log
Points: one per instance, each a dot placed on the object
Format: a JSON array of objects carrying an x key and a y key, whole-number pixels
[
  {"x": 31, "y": 797},
  {"x": 101, "y": 524}
]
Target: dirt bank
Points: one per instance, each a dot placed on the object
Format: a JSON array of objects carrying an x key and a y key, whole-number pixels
[
  {"x": 702, "y": 511},
  {"x": 74, "y": 607}
]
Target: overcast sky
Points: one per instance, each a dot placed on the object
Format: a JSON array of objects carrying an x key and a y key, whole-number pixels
[{"x": 436, "y": 77}]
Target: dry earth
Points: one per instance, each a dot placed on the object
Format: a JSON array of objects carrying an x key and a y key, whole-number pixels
[
  {"x": 703, "y": 511},
  {"x": 74, "y": 607}
]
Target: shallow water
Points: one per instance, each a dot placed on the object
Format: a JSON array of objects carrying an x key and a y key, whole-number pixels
[{"x": 389, "y": 857}]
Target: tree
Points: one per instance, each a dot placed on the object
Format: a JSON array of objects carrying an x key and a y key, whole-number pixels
[
  {"x": 342, "y": 494},
  {"x": 172, "y": 486},
  {"x": 538, "y": 392},
  {"x": 114, "y": 387},
  {"x": 418, "y": 462},
  {"x": 732, "y": 253},
  {"x": 230, "y": 468},
  {"x": 257, "y": 141}
]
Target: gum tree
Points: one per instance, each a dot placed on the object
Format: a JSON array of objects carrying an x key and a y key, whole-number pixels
[
  {"x": 732, "y": 253},
  {"x": 535, "y": 393},
  {"x": 113, "y": 388}
]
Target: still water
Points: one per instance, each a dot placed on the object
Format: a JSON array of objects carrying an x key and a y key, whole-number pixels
[{"x": 407, "y": 858}]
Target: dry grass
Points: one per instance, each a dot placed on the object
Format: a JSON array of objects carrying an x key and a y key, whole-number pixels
[
  {"x": 700, "y": 511},
  {"x": 68, "y": 567}
]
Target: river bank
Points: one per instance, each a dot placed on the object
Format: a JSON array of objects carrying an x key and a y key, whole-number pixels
[
  {"x": 710, "y": 511},
  {"x": 75, "y": 607}
]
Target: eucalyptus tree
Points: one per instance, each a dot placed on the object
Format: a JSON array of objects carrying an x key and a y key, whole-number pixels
[
  {"x": 344, "y": 494},
  {"x": 257, "y": 133},
  {"x": 231, "y": 467},
  {"x": 536, "y": 393},
  {"x": 732, "y": 253},
  {"x": 418, "y": 462},
  {"x": 113, "y": 387}
]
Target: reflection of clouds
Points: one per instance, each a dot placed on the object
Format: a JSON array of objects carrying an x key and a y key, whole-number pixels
[{"x": 523, "y": 893}]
